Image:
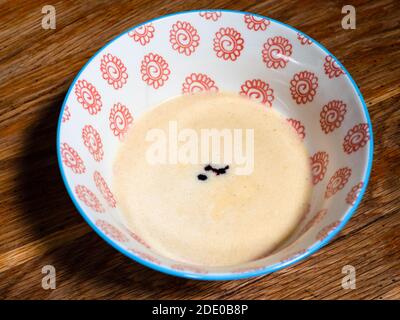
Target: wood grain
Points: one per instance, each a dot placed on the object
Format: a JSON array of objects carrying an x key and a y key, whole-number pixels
[{"x": 40, "y": 226}]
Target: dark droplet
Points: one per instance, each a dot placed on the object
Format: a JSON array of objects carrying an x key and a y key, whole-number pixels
[
  {"x": 222, "y": 170},
  {"x": 217, "y": 171},
  {"x": 202, "y": 177}
]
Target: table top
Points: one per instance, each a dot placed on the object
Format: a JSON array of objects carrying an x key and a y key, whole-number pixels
[{"x": 40, "y": 226}]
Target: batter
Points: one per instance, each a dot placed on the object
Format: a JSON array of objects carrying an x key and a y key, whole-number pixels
[{"x": 212, "y": 214}]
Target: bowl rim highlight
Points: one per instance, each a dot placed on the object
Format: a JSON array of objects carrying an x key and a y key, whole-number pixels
[{"x": 223, "y": 276}]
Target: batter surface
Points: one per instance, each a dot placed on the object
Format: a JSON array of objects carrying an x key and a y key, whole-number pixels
[{"x": 206, "y": 213}]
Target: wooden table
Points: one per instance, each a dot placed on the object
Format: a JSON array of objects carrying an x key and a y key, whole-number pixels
[{"x": 40, "y": 226}]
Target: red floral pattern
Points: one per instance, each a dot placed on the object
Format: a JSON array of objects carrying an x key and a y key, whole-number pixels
[
  {"x": 258, "y": 90},
  {"x": 331, "y": 67},
  {"x": 88, "y": 96},
  {"x": 135, "y": 237},
  {"x": 245, "y": 270},
  {"x": 142, "y": 34},
  {"x": 211, "y": 15},
  {"x": 293, "y": 255},
  {"x": 337, "y": 181},
  {"x": 184, "y": 38},
  {"x": 66, "y": 114},
  {"x": 113, "y": 71},
  {"x": 255, "y": 23},
  {"x": 304, "y": 40},
  {"x": 354, "y": 193},
  {"x": 276, "y": 52},
  {"x": 92, "y": 141},
  {"x": 111, "y": 231},
  {"x": 145, "y": 256},
  {"x": 198, "y": 82},
  {"x": 155, "y": 70},
  {"x": 319, "y": 164},
  {"x": 314, "y": 220},
  {"x": 88, "y": 198},
  {"x": 120, "y": 120},
  {"x": 188, "y": 268},
  {"x": 104, "y": 189},
  {"x": 72, "y": 159},
  {"x": 303, "y": 87},
  {"x": 296, "y": 124},
  {"x": 228, "y": 43},
  {"x": 356, "y": 138},
  {"x": 332, "y": 115},
  {"x": 327, "y": 230},
  {"x": 305, "y": 213}
]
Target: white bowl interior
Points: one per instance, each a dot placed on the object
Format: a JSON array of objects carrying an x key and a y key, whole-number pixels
[{"x": 228, "y": 51}]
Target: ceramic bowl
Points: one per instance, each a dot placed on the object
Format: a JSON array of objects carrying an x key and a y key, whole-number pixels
[{"x": 194, "y": 51}]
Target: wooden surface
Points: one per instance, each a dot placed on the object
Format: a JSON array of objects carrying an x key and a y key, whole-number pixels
[{"x": 40, "y": 226}]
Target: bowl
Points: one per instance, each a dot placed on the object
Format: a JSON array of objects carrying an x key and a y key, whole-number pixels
[{"x": 195, "y": 51}]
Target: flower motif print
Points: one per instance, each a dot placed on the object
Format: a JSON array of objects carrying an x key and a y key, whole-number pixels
[
  {"x": 296, "y": 124},
  {"x": 120, "y": 120},
  {"x": 211, "y": 15},
  {"x": 104, "y": 189},
  {"x": 354, "y": 193},
  {"x": 314, "y": 220},
  {"x": 356, "y": 138},
  {"x": 255, "y": 23},
  {"x": 303, "y": 87},
  {"x": 276, "y": 52},
  {"x": 113, "y": 71},
  {"x": 135, "y": 237},
  {"x": 92, "y": 141},
  {"x": 88, "y": 198},
  {"x": 319, "y": 164},
  {"x": 304, "y": 40},
  {"x": 331, "y": 67},
  {"x": 332, "y": 115},
  {"x": 145, "y": 256},
  {"x": 198, "y": 82},
  {"x": 88, "y": 96},
  {"x": 327, "y": 230},
  {"x": 111, "y": 231},
  {"x": 228, "y": 44},
  {"x": 194, "y": 269},
  {"x": 66, "y": 114},
  {"x": 72, "y": 159},
  {"x": 258, "y": 90},
  {"x": 142, "y": 34},
  {"x": 184, "y": 38},
  {"x": 155, "y": 70},
  {"x": 337, "y": 181},
  {"x": 293, "y": 255}
]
